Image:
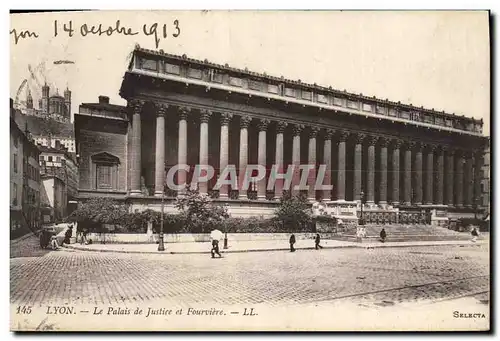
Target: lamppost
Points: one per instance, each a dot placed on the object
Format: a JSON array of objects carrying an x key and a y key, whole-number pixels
[
  {"x": 161, "y": 245},
  {"x": 362, "y": 221}
]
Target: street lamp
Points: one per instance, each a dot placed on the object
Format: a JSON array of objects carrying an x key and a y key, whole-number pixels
[
  {"x": 362, "y": 194},
  {"x": 161, "y": 244}
]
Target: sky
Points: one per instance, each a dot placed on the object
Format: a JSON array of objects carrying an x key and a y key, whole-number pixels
[{"x": 433, "y": 59}]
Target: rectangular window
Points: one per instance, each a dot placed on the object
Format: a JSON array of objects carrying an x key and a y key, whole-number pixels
[
  {"x": 58, "y": 159},
  {"x": 14, "y": 194},
  {"x": 104, "y": 177},
  {"x": 15, "y": 163},
  {"x": 50, "y": 158}
]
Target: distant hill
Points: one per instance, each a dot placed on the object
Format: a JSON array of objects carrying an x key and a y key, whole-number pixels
[{"x": 42, "y": 126}]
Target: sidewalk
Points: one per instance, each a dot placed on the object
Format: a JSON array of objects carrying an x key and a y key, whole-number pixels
[{"x": 255, "y": 246}]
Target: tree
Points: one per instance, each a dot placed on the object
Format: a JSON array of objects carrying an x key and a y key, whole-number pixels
[
  {"x": 98, "y": 211},
  {"x": 199, "y": 213},
  {"x": 294, "y": 212}
]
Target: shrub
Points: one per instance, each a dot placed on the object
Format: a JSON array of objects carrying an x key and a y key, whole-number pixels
[
  {"x": 294, "y": 212},
  {"x": 198, "y": 212}
]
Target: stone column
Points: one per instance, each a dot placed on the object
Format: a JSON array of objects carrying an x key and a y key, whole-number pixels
[
  {"x": 280, "y": 128},
  {"x": 408, "y": 175},
  {"x": 478, "y": 163},
  {"x": 450, "y": 177},
  {"x": 135, "y": 167},
  {"x": 341, "y": 177},
  {"x": 469, "y": 180},
  {"x": 370, "y": 181},
  {"x": 297, "y": 129},
  {"x": 418, "y": 174},
  {"x": 327, "y": 161},
  {"x": 440, "y": 176},
  {"x": 358, "y": 158},
  {"x": 459, "y": 179},
  {"x": 224, "y": 150},
  {"x": 313, "y": 132},
  {"x": 182, "y": 147},
  {"x": 204, "y": 118},
  {"x": 383, "y": 170},
  {"x": 160, "y": 150},
  {"x": 244, "y": 123},
  {"x": 429, "y": 179},
  {"x": 261, "y": 186},
  {"x": 395, "y": 171}
]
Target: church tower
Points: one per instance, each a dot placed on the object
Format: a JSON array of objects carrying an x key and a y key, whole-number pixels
[
  {"x": 45, "y": 98},
  {"x": 29, "y": 100},
  {"x": 67, "y": 101}
]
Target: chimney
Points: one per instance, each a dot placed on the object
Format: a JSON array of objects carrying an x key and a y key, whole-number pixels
[{"x": 103, "y": 100}]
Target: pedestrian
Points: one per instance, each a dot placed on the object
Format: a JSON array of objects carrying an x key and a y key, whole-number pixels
[
  {"x": 317, "y": 241},
  {"x": 67, "y": 235},
  {"x": 383, "y": 235},
  {"x": 53, "y": 242},
  {"x": 474, "y": 234},
  {"x": 292, "y": 241},
  {"x": 215, "y": 248},
  {"x": 84, "y": 236}
]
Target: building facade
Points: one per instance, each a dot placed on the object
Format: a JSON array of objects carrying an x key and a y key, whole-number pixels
[
  {"x": 54, "y": 198},
  {"x": 389, "y": 156},
  {"x": 485, "y": 181},
  {"x": 58, "y": 161},
  {"x": 24, "y": 181}
]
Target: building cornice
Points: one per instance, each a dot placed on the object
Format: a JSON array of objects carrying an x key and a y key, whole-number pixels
[{"x": 192, "y": 71}]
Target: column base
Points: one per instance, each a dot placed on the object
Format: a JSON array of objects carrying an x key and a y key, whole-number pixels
[
  {"x": 417, "y": 203},
  {"x": 223, "y": 196},
  {"x": 159, "y": 194},
  {"x": 135, "y": 193},
  {"x": 395, "y": 203},
  {"x": 242, "y": 196},
  {"x": 261, "y": 197}
]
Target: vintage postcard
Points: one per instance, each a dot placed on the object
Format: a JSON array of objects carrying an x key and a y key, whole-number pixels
[{"x": 250, "y": 171}]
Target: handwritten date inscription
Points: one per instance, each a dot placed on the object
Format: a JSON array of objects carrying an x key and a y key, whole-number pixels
[{"x": 156, "y": 30}]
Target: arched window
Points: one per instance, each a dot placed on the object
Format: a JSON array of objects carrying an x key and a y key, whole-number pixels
[{"x": 105, "y": 171}]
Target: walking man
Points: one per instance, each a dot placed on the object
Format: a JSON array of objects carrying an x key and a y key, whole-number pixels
[
  {"x": 383, "y": 235},
  {"x": 317, "y": 241},
  {"x": 292, "y": 241},
  {"x": 474, "y": 234},
  {"x": 215, "y": 248}
]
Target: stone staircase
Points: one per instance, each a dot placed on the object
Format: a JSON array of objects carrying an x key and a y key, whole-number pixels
[{"x": 404, "y": 233}]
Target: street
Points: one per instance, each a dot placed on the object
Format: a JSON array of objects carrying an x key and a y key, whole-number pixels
[{"x": 367, "y": 277}]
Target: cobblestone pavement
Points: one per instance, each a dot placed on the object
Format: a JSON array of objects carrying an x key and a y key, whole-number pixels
[{"x": 371, "y": 277}]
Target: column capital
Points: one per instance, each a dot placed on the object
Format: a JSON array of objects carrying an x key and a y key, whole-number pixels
[
  {"x": 245, "y": 121},
  {"x": 263, "y": 123},
  {"x": 281, "y": 126},
  {"x": 467, "y": 153},
  {"x": 342, "y": 135},
  {"x": 205, "y": 115},
  {"x": 313, "y": 132},
  {"x": 371, "y": 140},
  {"x": 297, "y": 129},
  {"x": 397, "y": 143},
  {"x": 329, "y": 134},
  {"x": 161, "y": 109},
  {"x": 359, "y": 137},
  {"x": 225, "y": 118},
  {"x": 384, "y": 142},
  {"x": 430, "y": 147},
  {"x": 415, "y": 145},
  {"x": 136, "y": 105},
  {"x": 184, "y": 112}
]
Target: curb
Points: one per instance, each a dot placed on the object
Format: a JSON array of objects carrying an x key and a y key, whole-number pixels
[{"x": 359, "y": 246}]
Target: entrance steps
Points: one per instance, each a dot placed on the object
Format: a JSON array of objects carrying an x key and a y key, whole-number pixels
[{"x": 404, "y": 233}]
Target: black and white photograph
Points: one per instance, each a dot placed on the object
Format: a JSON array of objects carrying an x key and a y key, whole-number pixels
[{"x": 250, "y": 170}]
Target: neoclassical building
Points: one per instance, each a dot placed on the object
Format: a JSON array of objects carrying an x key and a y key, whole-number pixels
[{"x": 394, "y": 157}]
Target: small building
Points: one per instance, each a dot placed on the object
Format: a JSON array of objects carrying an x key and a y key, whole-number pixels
[
  {"x": 59, "y": 162},
  {"x": 54, "y": 198},
  {"x": 24, "y": 180}
]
